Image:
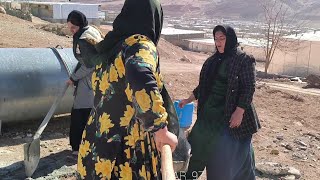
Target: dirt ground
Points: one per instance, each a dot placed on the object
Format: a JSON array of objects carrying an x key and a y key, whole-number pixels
[
  {"x": 16, "y": 32},
  {"x": 290, "y": 117}
]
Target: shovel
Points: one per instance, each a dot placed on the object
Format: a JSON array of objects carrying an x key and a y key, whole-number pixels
[
  {"x": 181, "y": 156},
  {"x": 32, "y": 149},
  {"x": 167, "y": 163}
]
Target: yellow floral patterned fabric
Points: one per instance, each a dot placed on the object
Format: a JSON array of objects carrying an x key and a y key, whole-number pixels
[{"x": 117, "y": 142}]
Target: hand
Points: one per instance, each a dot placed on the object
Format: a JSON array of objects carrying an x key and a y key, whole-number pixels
[
  {"x": 69, "y": 82},
  {"x": 188, "y": 131},
  {"x": 183, "y": 102},
  {"x": 236, "y": 118},
  {"x": 163, "y": 137}
]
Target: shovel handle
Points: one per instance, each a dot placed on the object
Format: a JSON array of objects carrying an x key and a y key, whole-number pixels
[
  {"x": 56, "y": 102},
  {"x": 167, "y": 163}
]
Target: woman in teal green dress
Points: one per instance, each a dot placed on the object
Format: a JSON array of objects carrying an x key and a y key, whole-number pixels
[{"x": 226, "y": 118}]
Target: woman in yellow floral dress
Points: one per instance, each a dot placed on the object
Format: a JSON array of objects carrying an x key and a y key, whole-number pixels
[{"x": 119, "y": 139}]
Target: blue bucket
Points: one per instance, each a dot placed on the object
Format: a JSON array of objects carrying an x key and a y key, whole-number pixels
[{"x": 184, "y": 114}]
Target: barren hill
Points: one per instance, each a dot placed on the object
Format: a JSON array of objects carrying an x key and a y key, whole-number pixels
[
  {"x": 18, "y": 33},
  {"x": 242, "y": 9},
  {"x": 290, "y": 120},
  {"x": 15, "y": 32}
]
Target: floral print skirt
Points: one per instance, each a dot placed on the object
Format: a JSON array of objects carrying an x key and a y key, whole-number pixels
[{"x": 130, "y": 154}]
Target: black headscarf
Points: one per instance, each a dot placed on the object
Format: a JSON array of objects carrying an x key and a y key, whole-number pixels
[
  {"x": 230, "y": 47},
  {"x": 77, "y": 18},
  {"x": 231, "y": 41},
  {"x": 209, "y": 71},
  {"x": 143, "y": 17}
]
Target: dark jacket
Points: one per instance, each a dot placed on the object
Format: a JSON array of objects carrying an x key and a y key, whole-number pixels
[
  {"x": 241, "y": 86},
  {"x": 83, "y": 48}
]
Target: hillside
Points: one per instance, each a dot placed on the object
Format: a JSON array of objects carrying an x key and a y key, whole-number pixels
[
  {"x": 239, "y": 9},
  {"x": 289, "y": 137},
  {"x": 18, "y": 33}
]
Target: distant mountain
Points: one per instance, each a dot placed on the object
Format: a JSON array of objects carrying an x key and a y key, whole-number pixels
[
  {"x": 248, "y": 9},
  {"x": 239, "y": 9},
  {"x": 252, "y": 9}
]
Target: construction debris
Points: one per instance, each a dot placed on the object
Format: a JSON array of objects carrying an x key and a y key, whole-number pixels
[
  {"x": 2, "y": 10},
  {"x": 313, "y": 81}
]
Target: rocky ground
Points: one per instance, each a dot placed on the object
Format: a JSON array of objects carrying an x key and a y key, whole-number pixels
[{"x": 287, "y": 147}]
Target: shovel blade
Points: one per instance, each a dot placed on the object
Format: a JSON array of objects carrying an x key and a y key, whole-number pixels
[{"x": 31, "y": 156}]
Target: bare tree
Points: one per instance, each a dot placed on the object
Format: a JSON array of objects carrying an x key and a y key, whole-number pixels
[{"x": 275, "y": 14}]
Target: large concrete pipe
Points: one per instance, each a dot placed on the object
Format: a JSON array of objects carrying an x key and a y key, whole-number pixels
[{"x": 30, "y": 79}]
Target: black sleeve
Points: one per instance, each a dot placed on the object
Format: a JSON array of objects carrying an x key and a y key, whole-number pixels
[
  {"x": 196, "y": 92},
  {"x": 247, "y": 77}
]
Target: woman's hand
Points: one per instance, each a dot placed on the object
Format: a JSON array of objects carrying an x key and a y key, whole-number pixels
[
  {"x": 184, "y": 102},
  {"x": 69, "y": 82},
  {"x": 163, "y": 137},
  {"x": 236, "y": 118}
]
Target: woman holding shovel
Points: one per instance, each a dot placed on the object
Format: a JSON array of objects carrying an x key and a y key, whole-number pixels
[
  {"x": 128, "y": 121},
  {"x": 226, "y": 118},
  {"x": 84, "y": 39}
]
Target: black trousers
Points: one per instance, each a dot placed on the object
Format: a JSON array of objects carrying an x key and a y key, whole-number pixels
[{"x": 79, "y": 118}]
